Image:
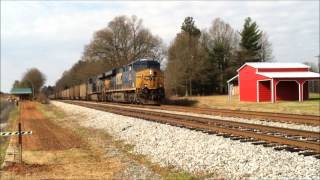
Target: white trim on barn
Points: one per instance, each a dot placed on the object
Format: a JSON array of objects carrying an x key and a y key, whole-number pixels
[
  {"x": 257, "y": 94},
  {"x": 272, "y": 90},
  {"x": 232, "y": 78},
  {"x": 299, "y": 85},
  {"x": 290, "y": 74},
  {"x": 239, "y": 87},
  {"x": 273, "y": 65}
]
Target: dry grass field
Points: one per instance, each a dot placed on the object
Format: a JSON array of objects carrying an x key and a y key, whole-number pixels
[{"x": 310, "y": 106}]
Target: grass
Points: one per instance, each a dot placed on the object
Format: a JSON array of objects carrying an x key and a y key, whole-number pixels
[
  {"x": 310, "y": 106},
  {"x": 50, "y": 111},
  {"x": 168, "y": 173},
  {"x": 4, "y": 141}
]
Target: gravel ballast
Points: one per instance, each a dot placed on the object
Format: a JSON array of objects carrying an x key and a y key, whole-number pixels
[{"x": 197, "y": 152}]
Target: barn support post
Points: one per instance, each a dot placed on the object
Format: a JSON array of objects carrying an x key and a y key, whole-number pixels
[
  {"x": 258, "y": 91},
  {"x": 228, "y": 91},
  {"x": 274, "y": 83},
  {"x": 272, "y": 90},
  {"x": 299, "y": 91},
  {"x": 301, "y": 82}
]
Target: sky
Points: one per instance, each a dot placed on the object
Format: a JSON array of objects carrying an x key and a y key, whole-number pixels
[{"x": 51, "y": 35}]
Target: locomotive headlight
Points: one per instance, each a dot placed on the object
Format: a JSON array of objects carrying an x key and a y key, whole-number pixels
[{"x": 150, "y": 72}]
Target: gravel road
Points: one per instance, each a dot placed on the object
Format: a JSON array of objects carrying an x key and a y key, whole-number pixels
[{"x": 197, "y": 152}]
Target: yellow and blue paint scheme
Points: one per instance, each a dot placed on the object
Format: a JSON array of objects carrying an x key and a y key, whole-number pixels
[{"x": 141, "y": 79}]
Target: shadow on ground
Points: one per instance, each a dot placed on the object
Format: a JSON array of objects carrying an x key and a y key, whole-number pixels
[
  {"x": 315, "y": 98},
  {"x": 180, "y": 102}
]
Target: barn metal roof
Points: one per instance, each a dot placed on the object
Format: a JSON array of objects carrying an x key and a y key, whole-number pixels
[
  {"x": 275, "y": 65},
  {"x": 234, "y": 77},
  {"x": 290, "y": 74},
  {"x": 21, "y": 91}
]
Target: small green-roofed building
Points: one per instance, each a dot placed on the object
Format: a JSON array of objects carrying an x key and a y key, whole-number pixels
[{"x": 23, "y": 93}]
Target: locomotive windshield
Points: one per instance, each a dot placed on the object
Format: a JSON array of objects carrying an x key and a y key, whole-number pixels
[{"x": 146, "y": 64}]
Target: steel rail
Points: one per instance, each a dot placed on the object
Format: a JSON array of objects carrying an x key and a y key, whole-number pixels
[
  {"x": 258, "y": 132},
  {"x": 282, "y": 117},
  {"x": 312, "y": 120}
]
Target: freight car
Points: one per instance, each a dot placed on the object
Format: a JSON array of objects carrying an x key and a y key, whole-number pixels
[
  {"x": 141, "y": 81},
  {"x": 83, "y": 91}
]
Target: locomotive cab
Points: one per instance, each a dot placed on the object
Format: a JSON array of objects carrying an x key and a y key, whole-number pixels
[{"x": 149, "y": 79}]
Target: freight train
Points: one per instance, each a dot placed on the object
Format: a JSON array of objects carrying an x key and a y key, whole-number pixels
[{"x": 140, "y": 82}]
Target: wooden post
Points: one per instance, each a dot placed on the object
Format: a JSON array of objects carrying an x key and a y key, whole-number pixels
[
  {"x": 19, "y": 129},
  {"x": 20, "y": 141}
]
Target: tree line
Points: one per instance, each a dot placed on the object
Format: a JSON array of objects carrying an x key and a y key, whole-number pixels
[
  {"x": 197, "y": 61},
  {"x": 201, "y": 61}
]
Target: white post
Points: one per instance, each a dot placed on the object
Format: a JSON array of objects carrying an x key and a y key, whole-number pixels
[
  {"x": 302, "y": 92},
  {"x": 257, "y": 95},
  {"x": 229, "y": 97},
  {"x": 299, "y": 92}
]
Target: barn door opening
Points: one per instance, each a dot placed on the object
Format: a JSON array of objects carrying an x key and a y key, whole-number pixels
[
  {"x": 264, "y": 91},
  {"x": 287, "y": 90}
]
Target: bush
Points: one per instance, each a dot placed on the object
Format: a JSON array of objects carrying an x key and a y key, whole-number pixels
[
  {"x": 42, "y": 98},
  {"x": 5, "y": 109}
]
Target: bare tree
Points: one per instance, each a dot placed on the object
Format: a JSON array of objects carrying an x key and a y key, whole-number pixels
[
  {"x": 34, "y": 79},
  {"x": 223, "y": 41},
  {"x": 124, "y": 39},
  {"x": 176, "y": 70},
  {"x": 265, "y": 53}
]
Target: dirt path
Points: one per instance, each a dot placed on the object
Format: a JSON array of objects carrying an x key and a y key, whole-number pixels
[
  {"x": 46, "y": 135},
  {"x": 58, "y": 149}
]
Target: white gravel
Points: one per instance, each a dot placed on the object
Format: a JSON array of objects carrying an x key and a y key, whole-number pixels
[{"x": 197, "y": 152}]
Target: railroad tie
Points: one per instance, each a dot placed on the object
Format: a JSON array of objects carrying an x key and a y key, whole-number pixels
[
  {"x": 259, "y": 143},
  {"x": 280, "y": 148}
]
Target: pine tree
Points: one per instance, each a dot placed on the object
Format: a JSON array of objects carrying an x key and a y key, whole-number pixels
[
  {"x": 193, "y": 34},
  {"x": 189, "y": 27},
  {"x": 250, "y": 40}
]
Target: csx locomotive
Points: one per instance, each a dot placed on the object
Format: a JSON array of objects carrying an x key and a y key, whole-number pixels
[{"x": 141, "y": 82}]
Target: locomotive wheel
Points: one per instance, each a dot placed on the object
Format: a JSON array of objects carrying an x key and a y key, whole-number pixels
[{"x": 131, "y": 98}]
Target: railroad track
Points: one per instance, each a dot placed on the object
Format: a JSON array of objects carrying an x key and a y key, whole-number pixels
[
  {"x": 304, "y": 142},
  {"x": 311, "y": 120},
  {"x": 276, "y": 117}
]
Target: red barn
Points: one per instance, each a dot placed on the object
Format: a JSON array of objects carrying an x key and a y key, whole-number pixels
[{"x": 260, "y": 82}]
